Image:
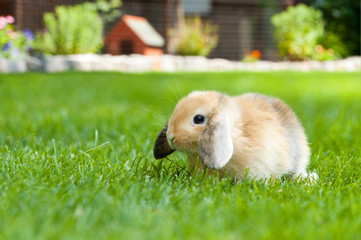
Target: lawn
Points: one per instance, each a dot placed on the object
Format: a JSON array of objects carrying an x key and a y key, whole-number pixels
[{"x": 76, "y": 160}]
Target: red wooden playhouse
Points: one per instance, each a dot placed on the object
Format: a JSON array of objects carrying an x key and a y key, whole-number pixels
[{"x": 134, "y": 34}]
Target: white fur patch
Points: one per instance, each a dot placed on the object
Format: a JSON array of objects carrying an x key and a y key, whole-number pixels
[
  {"x": 223, "y": 144},
  {"x": 215, "y": 143},
  {"x": 196, "y": 93}
]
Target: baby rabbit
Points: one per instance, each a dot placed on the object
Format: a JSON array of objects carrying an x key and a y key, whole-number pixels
[{"x": 232, "y": 134}]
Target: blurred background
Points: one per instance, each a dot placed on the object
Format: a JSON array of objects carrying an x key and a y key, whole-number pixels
[{"x": 246, "y": 30}]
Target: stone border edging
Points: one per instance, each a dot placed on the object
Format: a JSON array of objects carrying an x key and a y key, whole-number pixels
[{"x": 165, "y": 63}]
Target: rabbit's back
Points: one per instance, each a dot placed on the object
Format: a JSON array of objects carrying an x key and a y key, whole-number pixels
[{"x": 269, "y": 139}]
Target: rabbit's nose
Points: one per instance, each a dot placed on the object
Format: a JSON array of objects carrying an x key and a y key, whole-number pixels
[{"x": 170, "y": 137}]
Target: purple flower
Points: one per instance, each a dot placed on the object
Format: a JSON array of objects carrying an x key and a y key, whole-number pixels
[
  {"x": 29, "y": 35},
  {"x": 7, "y": 46}
]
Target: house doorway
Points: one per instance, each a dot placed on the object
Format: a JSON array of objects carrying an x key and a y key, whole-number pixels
[{"x": 126, "y": 47}]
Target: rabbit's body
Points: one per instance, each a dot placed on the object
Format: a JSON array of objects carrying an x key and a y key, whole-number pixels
[
  {"x": 250, "y": 131},
  {"x": 272, "y": 140}
]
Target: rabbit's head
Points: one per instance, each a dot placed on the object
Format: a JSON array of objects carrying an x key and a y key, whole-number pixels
[{"x": 200, "y": 124}]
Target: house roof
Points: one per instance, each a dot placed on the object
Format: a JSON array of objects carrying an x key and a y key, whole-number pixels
[{"x": 144, "y": 30}]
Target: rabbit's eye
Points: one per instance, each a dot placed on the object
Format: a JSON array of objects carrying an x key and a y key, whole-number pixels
[{"x": 198, "y": 119}]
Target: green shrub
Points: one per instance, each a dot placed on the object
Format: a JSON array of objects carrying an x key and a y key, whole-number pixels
[
  {"x": 196, "y": 38},
  {"x": 300, "y": 33},
  {"x": 108, "y": 10},
  {"x": 297, "y": 31},
  {"x": 71, "y": 30},
  {"x": 329, "y": 40},
  {"x": 342, "y": 17}
]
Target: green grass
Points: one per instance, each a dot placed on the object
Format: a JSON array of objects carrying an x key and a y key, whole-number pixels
[{"x": 76, "y": 160}]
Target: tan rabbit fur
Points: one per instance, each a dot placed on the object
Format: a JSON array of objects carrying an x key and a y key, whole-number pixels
[{"x": 232, "y": 134}]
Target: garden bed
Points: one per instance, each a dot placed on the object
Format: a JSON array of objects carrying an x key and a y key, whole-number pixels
[{"x": 166, "y": 63}]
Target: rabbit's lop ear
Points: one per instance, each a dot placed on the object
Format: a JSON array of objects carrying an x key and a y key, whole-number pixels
[
  {"x": 215, "y": 145},
  {"x": 161, "y": 147}
]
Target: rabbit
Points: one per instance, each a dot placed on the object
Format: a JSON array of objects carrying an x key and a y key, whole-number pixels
[{"x": 232, "y": 134}]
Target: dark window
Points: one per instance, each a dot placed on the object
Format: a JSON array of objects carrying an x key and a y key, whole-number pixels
[{"x": 126, "y": 47}]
